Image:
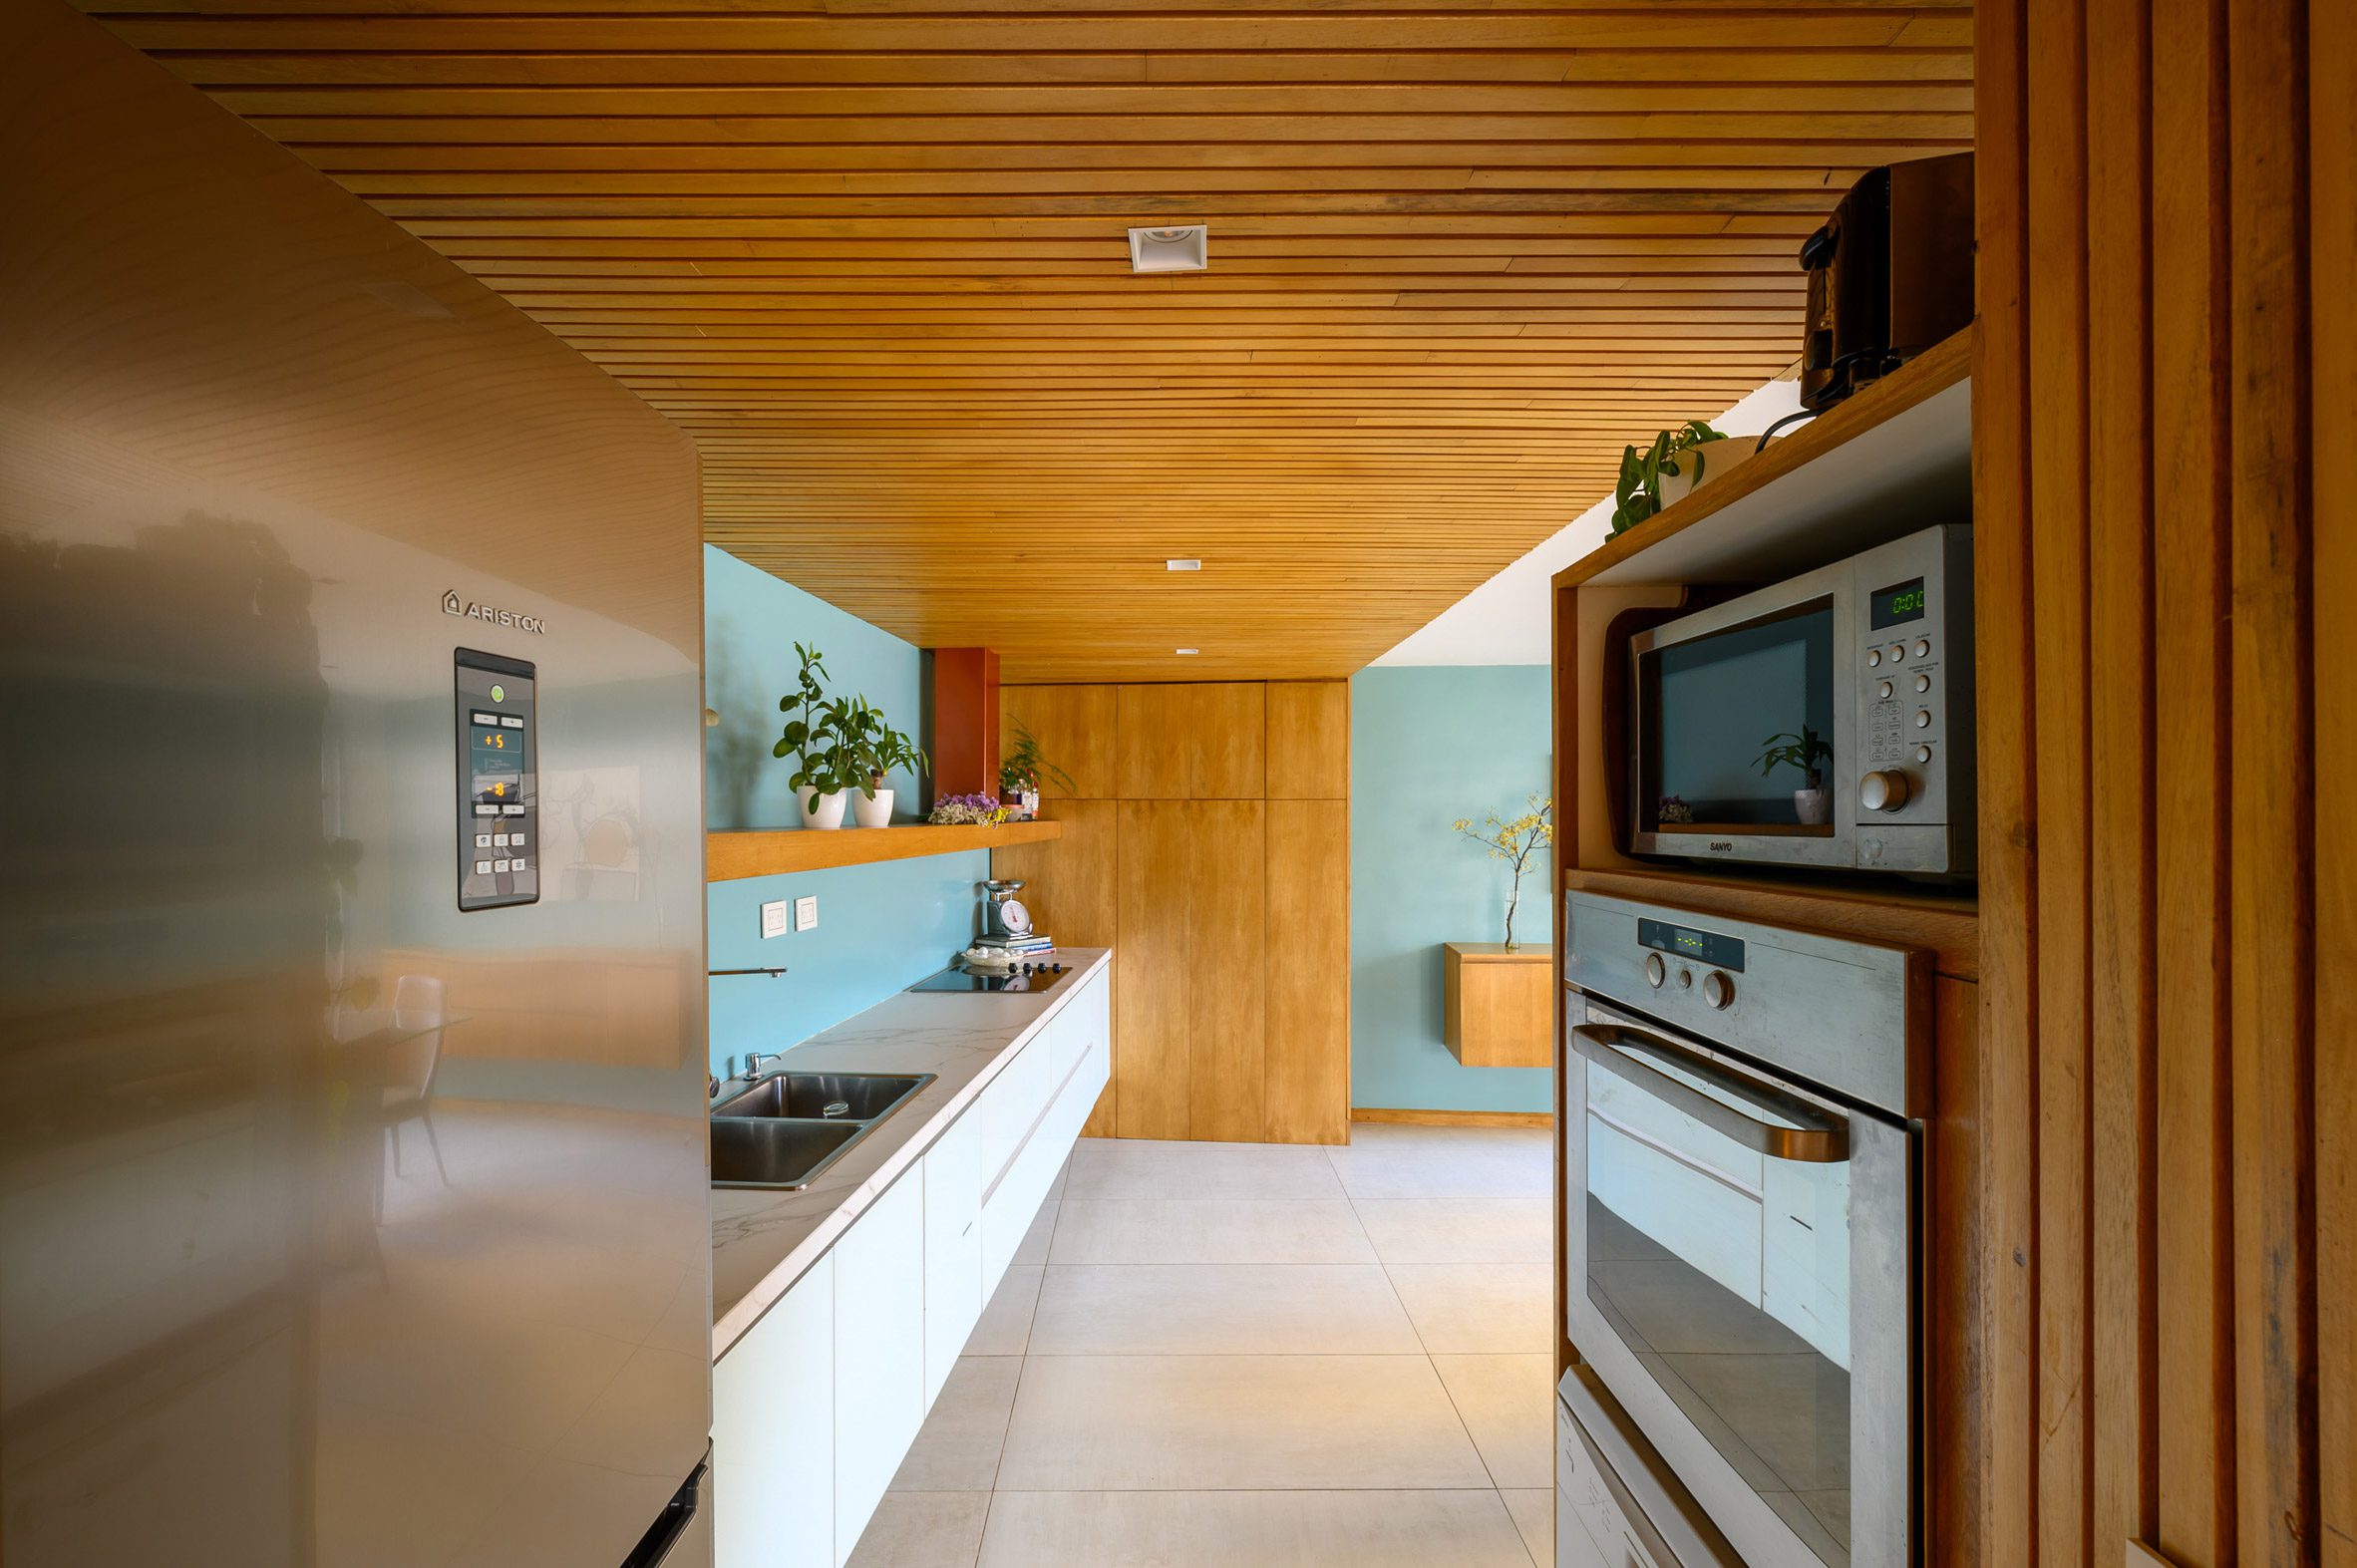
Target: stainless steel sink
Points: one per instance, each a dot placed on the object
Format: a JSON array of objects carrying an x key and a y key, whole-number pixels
[
  {"x": 824, "y": 1097},
  {"x": 782, "y": 1133}
]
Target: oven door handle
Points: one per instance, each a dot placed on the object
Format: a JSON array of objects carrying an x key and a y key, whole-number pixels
[{"x": 1821, "y": 1139}]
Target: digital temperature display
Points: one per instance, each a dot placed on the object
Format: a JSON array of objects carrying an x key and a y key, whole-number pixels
[
  {"x": 1704, "y": 947},
  {"x": 1891, "y": 606}
]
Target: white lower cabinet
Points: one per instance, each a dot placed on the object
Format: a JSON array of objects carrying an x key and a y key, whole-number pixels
[
  {"x": 773, "y": 1435},
  {"x": 953, "y": 1248},
  {"x": 816, "y": 1406},
  {"x": 879, "y": 1353}
]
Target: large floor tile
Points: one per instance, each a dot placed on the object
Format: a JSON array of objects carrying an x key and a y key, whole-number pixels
[
  {"x": 1032, "y": 1251},
  {"x": 1412, "y": 1172},
  {"x": 1209, "y": 1231},
  {"x": 1478, "y": 1140},
  {"x": 1460, "y": 1230},
  {"x": 1507, "y": 1403},
  {"x": 1214, "y": 1309},
  {"x": 1197, "y": 1422},
  {"x": 1138, "y": 1169},
  {"x": 1478, "y": 1309},
  {"x": 923, "y": 1530},
  {"x": 958, "y": 1449},
  {"x": 1534, "y": 1517},
  {"x": 1005, "y": 1327},
  {"x": 1246, "y": 1530}
]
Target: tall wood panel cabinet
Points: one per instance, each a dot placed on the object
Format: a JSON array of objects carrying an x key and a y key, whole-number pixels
[{"x": 1207, "y": 843}]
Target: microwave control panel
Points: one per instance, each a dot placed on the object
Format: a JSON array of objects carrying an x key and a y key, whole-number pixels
[
  {"x": 499, "y": 818},
  {"x": 1913, "y": 660}
]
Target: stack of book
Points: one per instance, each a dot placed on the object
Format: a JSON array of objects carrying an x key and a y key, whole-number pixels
[{"x": 1017, "y": 948}]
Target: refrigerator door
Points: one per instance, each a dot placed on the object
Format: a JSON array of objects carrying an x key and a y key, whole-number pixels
[{"x": 353, "y": 1204}]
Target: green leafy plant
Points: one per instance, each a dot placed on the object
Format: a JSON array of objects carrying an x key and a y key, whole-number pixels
[
  {"x": 870, "y": 747},
  {"x": 810, "y": 737},
  {"x": 1026, "y": 766},
  {"x": 1514, "y": 843},
  {"x": 1639, "y": 489},
  {"x": 1804, "y": 751}
]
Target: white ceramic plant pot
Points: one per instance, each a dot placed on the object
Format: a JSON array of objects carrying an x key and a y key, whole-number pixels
[
  {"x": 1814, "y": 808},
  {"x": 873, "y": 813},
  {"x": 1717, "y": 457},
  {"x": 821, "y": 810}
]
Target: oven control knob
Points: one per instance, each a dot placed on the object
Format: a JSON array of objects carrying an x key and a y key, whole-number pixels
[
  {"x": 1655, "y": 970},
  {"x": 1883, "y": 792},
  {"x": 1718, "y": 990}
]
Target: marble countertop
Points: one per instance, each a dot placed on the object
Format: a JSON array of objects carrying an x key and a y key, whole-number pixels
[{"x": 762, "y": 1242}]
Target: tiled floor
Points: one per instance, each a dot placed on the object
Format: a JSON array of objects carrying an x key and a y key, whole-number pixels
[{"x": 1256, "y": 1356}]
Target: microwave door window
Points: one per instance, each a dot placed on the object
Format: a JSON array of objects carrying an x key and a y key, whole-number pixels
[
  {"x": 1715, "y": 703},
  {"x": 1726, "y": 1273}
]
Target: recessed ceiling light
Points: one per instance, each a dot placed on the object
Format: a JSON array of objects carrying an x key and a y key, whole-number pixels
[
  {"x": 1186, "y": 249},
  {"x": 1182, "y": 564},
  {"x": 1186, "y": 650}
]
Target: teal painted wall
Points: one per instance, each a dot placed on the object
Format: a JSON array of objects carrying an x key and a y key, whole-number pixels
[
  {"x": 1429, "y": 744},
  {"x": 881, "y": 927}
]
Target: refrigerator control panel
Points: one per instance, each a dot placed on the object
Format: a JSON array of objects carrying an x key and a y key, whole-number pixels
[{"x": 499, "y": 782}]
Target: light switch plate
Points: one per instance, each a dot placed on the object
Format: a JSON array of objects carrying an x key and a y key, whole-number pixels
[
  {"x": 773, "y": 919},
  {"x": 806, "y": 914}
]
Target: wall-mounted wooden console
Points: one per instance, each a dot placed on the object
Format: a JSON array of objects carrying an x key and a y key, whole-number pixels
[{"x": 731, "y": 857}]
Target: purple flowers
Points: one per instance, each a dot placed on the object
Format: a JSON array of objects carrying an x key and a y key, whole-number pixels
[{"x": 963, "y": 810}]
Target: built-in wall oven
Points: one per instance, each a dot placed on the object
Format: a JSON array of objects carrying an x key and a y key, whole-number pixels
[
  {"x": 1743, "y": 1169},
  {"x": 1823, "y": 722}
]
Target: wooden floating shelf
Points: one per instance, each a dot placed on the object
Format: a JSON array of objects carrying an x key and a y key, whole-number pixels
[
  {"x": 733, "y": 857},
  {"x": 1899, "y": 449}
]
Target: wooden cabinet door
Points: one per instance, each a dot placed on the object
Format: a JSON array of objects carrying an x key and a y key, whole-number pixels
[
  {"x": 1076, "y": 726},
  {"x": 773, "y": 1435},
  {"x": 879, "y": 1354},
  {"x": 1150, "y": 995},
  {"x": 1152, "y": 757},
  {"x": 1227, "y": 970},
  {"x": 1226, "y": 736},
  {"x": 1308, "y": 961},
  {"x": 1308, "y": 740}
]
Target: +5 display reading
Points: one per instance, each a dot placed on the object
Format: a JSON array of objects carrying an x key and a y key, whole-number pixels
[{"x": 1901, "y": 603}]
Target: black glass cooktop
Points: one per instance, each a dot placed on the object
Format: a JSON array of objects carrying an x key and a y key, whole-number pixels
[{"x": 1042, "y": 977}]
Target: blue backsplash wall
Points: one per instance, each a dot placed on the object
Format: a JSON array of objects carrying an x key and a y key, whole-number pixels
[
  {"x": 881, "y": 927},
  {"x": 1429, "y": 744}
]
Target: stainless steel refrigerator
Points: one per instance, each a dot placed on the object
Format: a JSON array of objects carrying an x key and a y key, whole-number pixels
[{"x": 353, "y": 1197}]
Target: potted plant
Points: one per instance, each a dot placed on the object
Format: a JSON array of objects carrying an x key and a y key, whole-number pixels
[
  {"x": 871, "y": 747},
  {"x": 1514, "y": 843},
  {"x": 1019, "y": 775},
  {"x": 1806, "y": 750},
  {"x": 1667, "y": 471},
  {"x": 817, "y": 782}
]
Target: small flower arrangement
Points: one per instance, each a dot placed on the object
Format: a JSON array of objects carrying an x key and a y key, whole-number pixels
[
  {"x": 1514, "y": 843},
  {"x": 968, "y": 810}
]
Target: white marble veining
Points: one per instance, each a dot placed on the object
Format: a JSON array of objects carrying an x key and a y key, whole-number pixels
[{"x": 762, "y": 1242}]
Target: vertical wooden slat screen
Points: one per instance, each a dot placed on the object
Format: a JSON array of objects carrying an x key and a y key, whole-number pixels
[
  {"x": 2332, "y": 173},
  {"x": 2162, "y": 377}
]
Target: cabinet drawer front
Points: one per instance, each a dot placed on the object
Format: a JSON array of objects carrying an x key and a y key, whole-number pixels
[
  {"x": 773, "y": 1433},
  {"x": 953, "y": 1248},
  {"x": 879, "y": 1363},
  {"x": 1011, "y": 1104}
]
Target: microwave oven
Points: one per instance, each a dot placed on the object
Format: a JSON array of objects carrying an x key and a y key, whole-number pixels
[{"x": 1862, "y": 667}]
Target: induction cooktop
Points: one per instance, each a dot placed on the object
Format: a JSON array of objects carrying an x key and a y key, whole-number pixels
[{"x": 1034, "y": 978}]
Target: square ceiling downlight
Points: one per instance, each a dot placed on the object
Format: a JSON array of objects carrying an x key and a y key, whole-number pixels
[{"x": 1185, "y": 249}]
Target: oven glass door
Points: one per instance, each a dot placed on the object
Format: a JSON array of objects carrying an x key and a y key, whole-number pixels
[
  {"x": 1717, "y": 1252},
  {"x": 1714, "y": 704}
]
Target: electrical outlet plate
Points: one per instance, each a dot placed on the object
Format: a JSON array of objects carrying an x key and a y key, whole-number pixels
[
  {"x": 773, "y": 919},
  {"x": 806, "y": 914}
]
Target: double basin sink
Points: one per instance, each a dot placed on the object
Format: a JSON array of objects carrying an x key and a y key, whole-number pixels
[{"x": 782, "y": 1132}]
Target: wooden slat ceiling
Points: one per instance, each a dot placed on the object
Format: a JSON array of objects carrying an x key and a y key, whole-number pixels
[{"x": 872, "y": 254}]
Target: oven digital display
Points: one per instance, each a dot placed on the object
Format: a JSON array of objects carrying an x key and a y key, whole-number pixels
[
  {"x": 1894, "y": 605},
  {"x": 1704, "y": 947}
]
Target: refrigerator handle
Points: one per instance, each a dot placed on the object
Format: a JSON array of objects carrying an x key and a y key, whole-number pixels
[{"x": 672, "y": 1522}]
